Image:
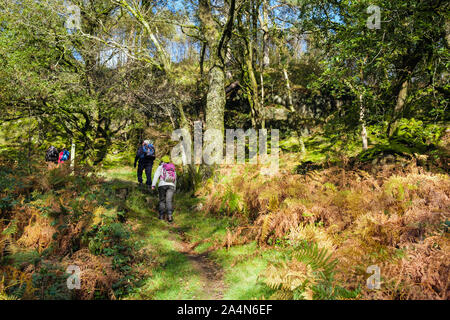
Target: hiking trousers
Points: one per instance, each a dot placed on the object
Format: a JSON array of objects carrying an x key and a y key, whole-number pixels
[
  {"x": 147, "y": 166},
  {"x": 165, "y": 200}
]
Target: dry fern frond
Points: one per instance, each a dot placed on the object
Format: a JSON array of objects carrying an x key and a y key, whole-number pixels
[
  {"x": 288, "y": 278},
  {"x": 266, "y": 227}
]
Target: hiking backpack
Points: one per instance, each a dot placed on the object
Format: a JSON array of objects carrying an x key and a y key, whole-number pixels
[
  {"x": 65, "y": 156},
  {"x": 148, "y": 151},
  {"x": 168, "y": 173},
  {"x": 52, "y": 154}
]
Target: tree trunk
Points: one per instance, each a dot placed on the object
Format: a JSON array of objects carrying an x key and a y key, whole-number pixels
[
  {"x": 202, "y": 60},
  {"x": 401, "y": 99},
  {"x": 265, "y": 62},
  {"x": 253, "y": 96},
  {"x": 183, "y": 121},
  {"x": 362, "y": 111},
  {"x": 447, "y": 32},
  {"x": 263, "y": 115},
  {"x": 215, "y": 99},
  {"x": 265, "y": 29},
  {"x": 288, "y": 88},
  {"x": 254, "y": 36}
]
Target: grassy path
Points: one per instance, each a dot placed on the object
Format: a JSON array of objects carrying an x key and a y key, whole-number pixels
[
  {"x": 211, "y": 274},
  {"x": 173, "y": 270},
  {"x": 178, "y": 272}
]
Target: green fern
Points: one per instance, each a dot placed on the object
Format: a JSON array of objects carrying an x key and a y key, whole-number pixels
[
  {"x": 231, "y": 202},
  {"x": 4, "y": 296},
  {"x": 318, "y": 259},
  {"x": 11, "y": 229}
]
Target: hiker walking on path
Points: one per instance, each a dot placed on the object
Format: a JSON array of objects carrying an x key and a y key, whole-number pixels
[
  {"x": 166, "y": 188},
  {"x": 52, "y": 155},
  {"x": 64, "y": 156},
  {"x": 145, "y": 157}
]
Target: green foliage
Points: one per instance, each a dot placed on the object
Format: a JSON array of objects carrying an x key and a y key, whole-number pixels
[
  {"x": 23, "y": 258},
  {"x": 11, "y": 229},
  {"x": 410, "y": 137},
  {"x": 292, "y": 144},
  {"x": 57, "y": 179},
  {"x": 51, "y": 282},
  {"x": 192, "y": 177},
  {"x": 324, "y": 291},
  {"x": 314, "y": 281},
  {"x": 111, "y": 239},
  {"x": 360, "y": 70},
  {"x": 231, "y": 203},
  {"x": 319, "y": 259},
  {"x": 59, "y": 87},
  {"x": 416, "y": 135},
  {"x": 379, "y": 150},
  {"x": 4, "y": 296},
  {"x": 8, "y": 184}
]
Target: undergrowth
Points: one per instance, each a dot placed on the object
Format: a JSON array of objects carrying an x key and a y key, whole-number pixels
[
  {"x": 52, "y": 218},
  {"x": 391, "y": 215}
]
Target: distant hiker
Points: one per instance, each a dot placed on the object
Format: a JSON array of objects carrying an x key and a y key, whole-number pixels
[
  {"x": 145, "y": 157},
  {"x": 64, "y": 156},
  {"x": 166, "y": 188},
  {"x": 52, "y": 155}
]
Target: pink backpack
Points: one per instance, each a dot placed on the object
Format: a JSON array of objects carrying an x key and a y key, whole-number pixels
[{"x": 168, "y": 173}]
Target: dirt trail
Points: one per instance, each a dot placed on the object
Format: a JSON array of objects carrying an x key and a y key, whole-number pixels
[{"x": 210, "y": 273}]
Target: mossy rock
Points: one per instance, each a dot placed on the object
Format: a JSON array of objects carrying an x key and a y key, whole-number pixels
[{"x": 276, "y": 112}]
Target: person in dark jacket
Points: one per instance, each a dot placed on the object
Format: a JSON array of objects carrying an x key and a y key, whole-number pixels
[
  {"x": 144, "y": 158},
  {"x": 52, "y": 155}
]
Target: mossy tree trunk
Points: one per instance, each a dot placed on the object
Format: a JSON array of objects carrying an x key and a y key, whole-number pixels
[
  {"x": 249, "y": 35},
  {"x": 362, "y": 119},
  {"x": 216, "y": 39},
  {"x": 399, "y": 106},
  {"x": 288, "y": 89},
  {"x": 265, "y": 61},
  {"x": 253, "y": 92},
  {"x": 216, "y": 99}
]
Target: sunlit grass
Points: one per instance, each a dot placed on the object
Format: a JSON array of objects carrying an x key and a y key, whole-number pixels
[
  {"x": 125, "y": 173},
  {"x": 242, "y": 270}
]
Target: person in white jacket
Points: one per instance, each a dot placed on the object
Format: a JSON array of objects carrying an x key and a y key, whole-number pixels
[{"x": 166, "y": 175}]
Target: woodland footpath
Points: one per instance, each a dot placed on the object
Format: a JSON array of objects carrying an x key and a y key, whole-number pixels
[{"x": 358, "y": 91}]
